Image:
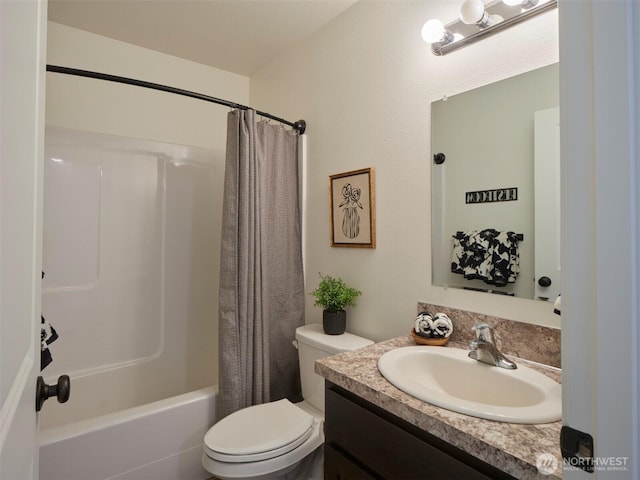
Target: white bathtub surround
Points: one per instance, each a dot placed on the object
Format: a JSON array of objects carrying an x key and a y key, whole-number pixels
[
  {"x": 131, "y": 246},
  {"x": 159, "y": 441}
]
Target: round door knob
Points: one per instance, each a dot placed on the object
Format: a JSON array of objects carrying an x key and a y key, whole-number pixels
[
  {"x": 544, "y": 281},
  {"x": 60, "y": 390}
]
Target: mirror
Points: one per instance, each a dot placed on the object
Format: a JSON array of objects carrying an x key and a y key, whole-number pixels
[{"x": 495, "y": 170}]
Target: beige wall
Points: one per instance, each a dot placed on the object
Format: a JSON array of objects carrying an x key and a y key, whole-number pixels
[
  {"x": 98, "y": 106},
  {"x": 364, "y": 84}
]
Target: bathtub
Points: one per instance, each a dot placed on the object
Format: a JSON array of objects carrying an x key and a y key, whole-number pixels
[
  {"x": 159, "y": 441},
  {"x": 131, "y": 242}
]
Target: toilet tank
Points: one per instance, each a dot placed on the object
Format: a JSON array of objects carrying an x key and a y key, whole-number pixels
[{"x": 314, "y": 344}]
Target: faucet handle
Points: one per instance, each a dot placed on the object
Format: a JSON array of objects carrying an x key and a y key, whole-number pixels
[{"x": 483, "y": 332}]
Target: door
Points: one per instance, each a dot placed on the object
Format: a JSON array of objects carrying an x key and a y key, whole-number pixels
[
  {"x": 22, "y": 72},
  {"x": 546, "y": 167},
  {"x": 600, "y": 121}
]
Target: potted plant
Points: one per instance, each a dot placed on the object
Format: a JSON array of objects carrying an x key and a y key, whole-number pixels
[{"x": 333, "y": 295}]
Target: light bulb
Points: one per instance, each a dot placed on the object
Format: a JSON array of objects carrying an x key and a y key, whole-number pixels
[
  {"x": 433, "y": 31},
  {"x": 472, "y": 12}
]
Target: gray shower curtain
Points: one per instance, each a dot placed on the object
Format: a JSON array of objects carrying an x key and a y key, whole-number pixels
[{"x": 261, "y": 277}]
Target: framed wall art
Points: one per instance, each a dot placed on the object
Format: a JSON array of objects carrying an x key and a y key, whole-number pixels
[{"x": 352, "y": 207}]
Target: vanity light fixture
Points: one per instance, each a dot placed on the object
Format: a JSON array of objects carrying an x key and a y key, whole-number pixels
[
  {"x": 472, "y": 12},
  {"x": 478, "y": 20},
  {"x": 521, "y": 3}
]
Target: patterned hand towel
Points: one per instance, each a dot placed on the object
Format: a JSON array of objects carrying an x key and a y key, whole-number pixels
[
  {"x": 48, "y": 335},
  {"x": 487, "y": 255}
]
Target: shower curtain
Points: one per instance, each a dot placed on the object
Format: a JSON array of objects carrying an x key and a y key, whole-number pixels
[{"x": 261, "y": 276}]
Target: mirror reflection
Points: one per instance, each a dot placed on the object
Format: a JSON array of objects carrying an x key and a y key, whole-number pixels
[{"x": 496, "y": 187}]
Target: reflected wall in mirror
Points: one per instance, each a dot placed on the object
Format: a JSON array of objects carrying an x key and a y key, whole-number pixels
[{"x": 496, "y": 140}]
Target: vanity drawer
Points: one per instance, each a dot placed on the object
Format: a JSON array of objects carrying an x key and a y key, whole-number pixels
[
  {"x": 339, "y": 467},
  {"x": 387, "y": 447}
]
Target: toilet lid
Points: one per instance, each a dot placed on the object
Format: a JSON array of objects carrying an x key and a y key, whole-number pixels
[{"x": 259, "y": 432}]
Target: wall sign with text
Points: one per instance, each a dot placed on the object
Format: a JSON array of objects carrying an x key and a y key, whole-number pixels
[{"x": 489, "y": 196}]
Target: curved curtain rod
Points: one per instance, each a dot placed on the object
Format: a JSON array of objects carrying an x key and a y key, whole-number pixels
[{"x": 300, "y": 125}]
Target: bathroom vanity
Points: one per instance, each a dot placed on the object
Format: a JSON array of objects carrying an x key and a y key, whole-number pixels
[{"x": 374, "y": 430}]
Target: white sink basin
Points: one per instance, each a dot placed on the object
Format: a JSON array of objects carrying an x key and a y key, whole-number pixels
[{"x": 448, "y": 378}]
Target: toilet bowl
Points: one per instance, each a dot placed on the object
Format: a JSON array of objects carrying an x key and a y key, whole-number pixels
[
  {"x": 265, "y": 441},
  {"x": 280, "y": 439}
]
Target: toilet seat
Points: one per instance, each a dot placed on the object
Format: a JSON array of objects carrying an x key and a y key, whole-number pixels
[{"x": 259, "y": 432}]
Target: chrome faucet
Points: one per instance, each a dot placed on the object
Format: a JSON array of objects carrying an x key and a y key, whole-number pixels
[{"x": 483, "y": 348}]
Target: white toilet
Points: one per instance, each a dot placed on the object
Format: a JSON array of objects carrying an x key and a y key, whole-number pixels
[{"x": 279, "y": 440}]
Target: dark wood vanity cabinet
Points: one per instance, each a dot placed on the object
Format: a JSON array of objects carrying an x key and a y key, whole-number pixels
[{"x": 363, "y": 441}]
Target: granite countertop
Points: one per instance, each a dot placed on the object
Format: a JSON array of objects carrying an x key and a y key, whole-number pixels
[{"x": 510, "y": 447}]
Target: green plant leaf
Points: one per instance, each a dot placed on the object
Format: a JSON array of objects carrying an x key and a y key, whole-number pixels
[{"x": 333, "y": 294}]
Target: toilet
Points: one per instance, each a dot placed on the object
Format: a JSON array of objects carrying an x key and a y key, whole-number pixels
[{"x": 279, "y": 440}]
